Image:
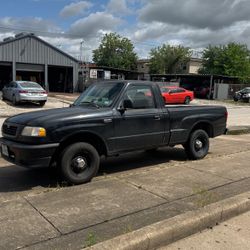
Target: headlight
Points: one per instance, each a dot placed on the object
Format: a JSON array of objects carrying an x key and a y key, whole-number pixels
[{"x": 34, "y": 131}]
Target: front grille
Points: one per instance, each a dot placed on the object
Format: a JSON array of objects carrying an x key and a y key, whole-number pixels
[{"x": 9, "y": 129}]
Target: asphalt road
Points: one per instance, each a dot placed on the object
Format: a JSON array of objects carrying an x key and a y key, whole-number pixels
[{"x": 38, "y": 212}]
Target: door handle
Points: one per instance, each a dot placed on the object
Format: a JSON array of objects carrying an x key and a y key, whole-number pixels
[
  {"x": 157, "y": 118},
  {"x": 107, "y": 120}
]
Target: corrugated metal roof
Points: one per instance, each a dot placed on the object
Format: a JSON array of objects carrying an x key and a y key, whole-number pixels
[{"x": 40, "y": 40}]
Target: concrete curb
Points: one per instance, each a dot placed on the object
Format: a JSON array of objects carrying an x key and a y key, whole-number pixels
[
  {"x": 168, "y": 231},
  {"x": 238, "y": 130}
]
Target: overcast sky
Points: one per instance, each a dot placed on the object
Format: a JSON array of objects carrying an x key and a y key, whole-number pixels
[{"x": 65, "y": 23}]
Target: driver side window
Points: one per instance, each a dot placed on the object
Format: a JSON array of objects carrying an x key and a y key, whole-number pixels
[{"x": 139, "y": 97}]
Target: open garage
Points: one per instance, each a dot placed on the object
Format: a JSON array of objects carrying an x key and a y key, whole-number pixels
[
  {"x": 27, "y": 57},
  {"x": 5, "y": 73}
]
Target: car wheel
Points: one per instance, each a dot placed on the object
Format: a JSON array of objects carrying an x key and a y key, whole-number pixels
[
  {"x": 187, "y": 100},
  {"x": 42, "y": 103},
  {"x": 236, "y": 99},
  {"x": 79, "y": 163},
  {"x": 14, "y": 101},
  {"x": 198, "y": 145}
]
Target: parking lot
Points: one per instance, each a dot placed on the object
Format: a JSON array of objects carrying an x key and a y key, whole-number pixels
[{"x": 38, "y": 211}]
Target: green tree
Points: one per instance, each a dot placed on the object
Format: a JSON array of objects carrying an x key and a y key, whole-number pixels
[
  {"x": 232, "y": 59},
  {"x": 115, "y": 51},
  {"x": 168, "y": 59}
]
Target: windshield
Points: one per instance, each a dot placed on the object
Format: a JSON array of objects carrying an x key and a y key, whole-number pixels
[
  {"x": 29, "y": 85},
  {"x": 246, "y": 91},
  {"x": 99, "y": 95}
]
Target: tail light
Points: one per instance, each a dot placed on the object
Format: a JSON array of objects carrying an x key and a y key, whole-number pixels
[{"x": 23, "y": 91}]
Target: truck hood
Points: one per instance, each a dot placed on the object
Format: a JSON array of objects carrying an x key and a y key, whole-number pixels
[{"x": 50, "y": 116}]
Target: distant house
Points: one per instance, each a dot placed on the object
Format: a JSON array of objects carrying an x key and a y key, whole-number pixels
[
  {"x": 143, "y": 66},
  {"x": 192, "y": 66},
  {"x": 29, "y": 58}
]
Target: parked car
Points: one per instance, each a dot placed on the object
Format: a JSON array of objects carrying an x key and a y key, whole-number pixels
[
  {"x": 243, "y": 95},
  {"x": 24, "y": 91},
  {"x": 108, "y": 119},
  {"x": 176, "y": 95}
]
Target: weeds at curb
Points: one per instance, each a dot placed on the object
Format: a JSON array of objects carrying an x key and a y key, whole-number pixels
[
  {"x": 204, "y": 197},
  {"x": 90, "y": 240}
]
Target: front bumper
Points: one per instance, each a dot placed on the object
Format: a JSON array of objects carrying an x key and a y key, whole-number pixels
[{"x": 29, "y": 156}]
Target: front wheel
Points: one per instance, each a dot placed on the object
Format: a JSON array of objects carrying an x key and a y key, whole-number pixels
[
  {"x": 187, "y": 100},
  {"x": 198, "y": 145},
  {"x": 79, "y": 163}
]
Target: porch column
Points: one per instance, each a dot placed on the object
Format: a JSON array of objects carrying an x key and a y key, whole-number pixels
[
  {"x": 46, "y": 77},
  {"x": 13, "y": 71}
]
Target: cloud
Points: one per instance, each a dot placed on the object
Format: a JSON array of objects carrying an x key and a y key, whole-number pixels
[
  {"x": 36, "y": 25},
  {"x": 118, "y": 7},
  {"x": 75, "y": 9},
  {"x": 214, "y": 14},
  {"x": 93, "y": 24}
]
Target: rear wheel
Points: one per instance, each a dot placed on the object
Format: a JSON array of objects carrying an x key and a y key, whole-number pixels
[
  {"x": 79, "y": 163},
  {"x": 187, "y": 100},
  {"x": 198, "y": 145},
  {"x": 14, "y": 101},
  {"x": 42, "y": 103}
]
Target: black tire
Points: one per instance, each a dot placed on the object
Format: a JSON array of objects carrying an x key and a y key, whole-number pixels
[
  {"x": 236, "y": 99},
  {"x": 187, "y": 100},
  {"x": 198, "y": 145},
  {"x": 72, "y": 159},
  {"x": 14, "y": 102},
  {"x": 42, "y": 103}
]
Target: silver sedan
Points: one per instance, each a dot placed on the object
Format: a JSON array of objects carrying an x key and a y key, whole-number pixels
[{"x": 24, "y": 91}]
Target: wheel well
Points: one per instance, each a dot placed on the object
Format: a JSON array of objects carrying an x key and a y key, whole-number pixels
[
  {"x": 204, "y": 126},
  {"x": 90, "y": 138}
]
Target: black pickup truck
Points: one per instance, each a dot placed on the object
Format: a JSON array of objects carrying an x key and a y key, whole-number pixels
[{"x": 108, "y": 119}]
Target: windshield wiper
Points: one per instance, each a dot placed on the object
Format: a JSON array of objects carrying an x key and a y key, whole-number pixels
[{"x": 91, "y": 103}]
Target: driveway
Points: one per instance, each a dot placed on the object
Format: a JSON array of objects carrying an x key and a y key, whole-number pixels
[{"x": 238, "y": 113}]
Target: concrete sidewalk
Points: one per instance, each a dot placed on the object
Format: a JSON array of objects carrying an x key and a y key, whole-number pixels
[
  {"x": 131, "y": 192},
  {"x": 231, "y": 234}
]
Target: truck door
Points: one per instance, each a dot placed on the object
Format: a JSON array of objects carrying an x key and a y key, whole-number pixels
[{"x": 142, "y": 124}]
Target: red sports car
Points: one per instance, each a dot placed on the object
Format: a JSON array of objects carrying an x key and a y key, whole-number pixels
[{"x": 176, "y": 95}]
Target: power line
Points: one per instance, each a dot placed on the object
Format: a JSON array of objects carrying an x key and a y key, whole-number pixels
[{"x": 67, "y": 35}]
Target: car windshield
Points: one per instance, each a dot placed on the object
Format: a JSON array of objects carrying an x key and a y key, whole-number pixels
[
  {"x": 246, "y": 90},
  {"x": 29, "y": 85},
  {"x": 100, "y": 95}
]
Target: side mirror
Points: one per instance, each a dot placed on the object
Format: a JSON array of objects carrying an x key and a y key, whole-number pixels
[
  {"x": 121, "y": 109},
  {"x": 126, "y": 104}
]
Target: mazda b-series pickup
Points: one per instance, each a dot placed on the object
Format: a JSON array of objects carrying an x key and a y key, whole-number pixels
[{"x": 108, "y": 119}]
